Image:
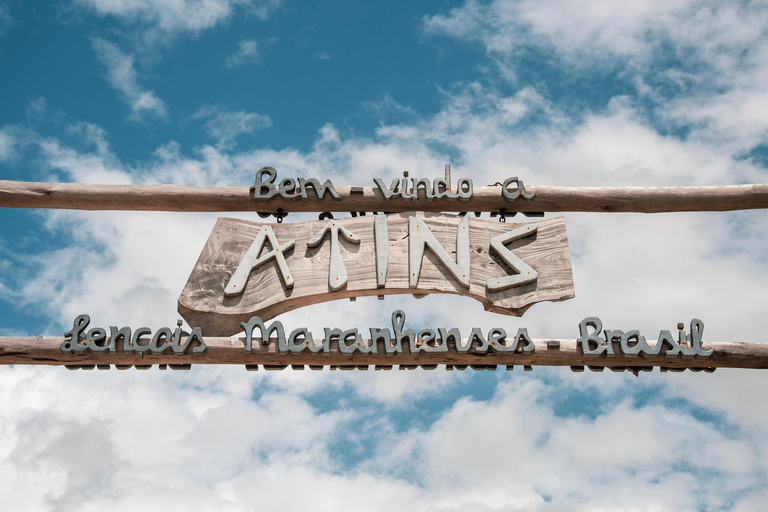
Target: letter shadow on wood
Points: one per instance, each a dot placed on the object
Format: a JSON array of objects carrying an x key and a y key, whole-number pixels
[
  {"x": 255, "y": 279},
  {"x": 514, "y": 246}
]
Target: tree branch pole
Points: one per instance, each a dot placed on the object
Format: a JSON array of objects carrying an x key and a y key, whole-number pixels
[
  {"x": 177, "y": 198},
  {"x": 548, "y": 352}
]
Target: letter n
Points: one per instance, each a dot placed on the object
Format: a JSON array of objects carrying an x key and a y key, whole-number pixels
[{"x": 420, "y": 237}]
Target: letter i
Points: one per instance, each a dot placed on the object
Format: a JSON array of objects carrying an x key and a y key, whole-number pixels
[{"x": 381, "y": 240}]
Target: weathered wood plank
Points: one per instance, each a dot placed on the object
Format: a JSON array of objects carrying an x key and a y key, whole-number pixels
[
  {"x": 177, "y": 198},
  {"x": 548, "y": 352},
  {"x": 203, "y": 302}
]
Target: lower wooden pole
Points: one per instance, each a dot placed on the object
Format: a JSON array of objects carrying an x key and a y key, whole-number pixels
[{"x": 43, "y": 350}]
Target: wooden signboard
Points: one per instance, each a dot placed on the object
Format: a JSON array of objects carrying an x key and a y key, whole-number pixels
[
  {"x": 255, "y": 269},
  {"x": 249, "y": 272}
]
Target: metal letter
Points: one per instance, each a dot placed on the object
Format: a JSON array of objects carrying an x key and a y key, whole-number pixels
[
  {"x": 426, "y": 185},
  {"x": 115, "y": 334},
  {"x": 450, "y": 334},
  {"x": 404, "y": 193},
  {"x": 587, "y": 340},
  {"x": 525, "y": 274},
  {"x": 495, "y": 338},
  {"x": 640, "y": 346},
  {"x": 135, "y": 345},
  {"x": 264, "y": 189},
  {"x": 697, "y": 330},
  {"x": 497, "y": 335},
  {"x": 74, "y": 336},
  {"x": 398, "y": 321},
  {"x": 388, "y": 192},
  {"x": 287, "y": 189},
  {"x": 522, "y": 336},
  {"x": 161, "y": 340},
  {"x": 426, "y": 342},
  {"x": 511, "y": 195},
  {"x": 476, "y": 334},
  {"x": 252, "y": 261},
  {"x": 419, "y": 237},
  {"x": 275, "y": 326},
  {"x": 611, "y": 337},
  {"x": 381, "y": 240},
  {"x": 337, "y": 275},
  {"x": 195, "y": 336},
  {"x": 442, "y": 187},
  {"x": 96, "y": 340},
  {"x": 320, "y": 189},
  {"x": 342, "y": 338},
  {"x": 674, "y": 348},
  {"x": 464, "y": 189},
  {"x": 384, "y": 336},
  {"x": 297, "y": 345}
]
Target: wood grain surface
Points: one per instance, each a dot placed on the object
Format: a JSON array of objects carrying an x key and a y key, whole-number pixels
[
  {"x": 203, "y": 303},
  {"x": 178, "y": 198},
  {"x": 548, "y": 352}
]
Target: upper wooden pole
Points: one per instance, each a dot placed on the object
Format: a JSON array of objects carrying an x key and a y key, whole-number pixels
[{"x": 177, "y": 198}]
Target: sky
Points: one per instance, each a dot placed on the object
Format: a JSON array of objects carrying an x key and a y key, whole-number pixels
[{"x": 206, "y": 92}]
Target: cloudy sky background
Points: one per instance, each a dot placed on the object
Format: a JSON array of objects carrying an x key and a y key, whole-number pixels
[{"x": 206, "y": 92}]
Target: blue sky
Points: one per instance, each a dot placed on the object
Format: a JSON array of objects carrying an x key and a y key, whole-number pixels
[{"x": 206, "y": 92}]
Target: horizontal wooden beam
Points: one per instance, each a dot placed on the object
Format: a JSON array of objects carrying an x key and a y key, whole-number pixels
[
  {"x": 177, "y": 198},
  {"x": 548, "y": 352}
]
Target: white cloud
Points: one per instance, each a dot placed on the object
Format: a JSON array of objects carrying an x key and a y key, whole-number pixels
[
  {"x": 221, "y": 438},
  {"x": 122, "y": 76},
  {"x": 247, "y": 53},
  {"x": 591, "y": 31},
  {"x": 702, "y": 62},
  {"x": 5, "y": 18},
  {"x": 175, "y": 16},
  {"x": 512, "y": 451},
  {"x": 6, "y": 146},
  {"x": 322, "y": 56},
  {"x": 96, "y": 453},
  {"x": 225, "y": 127}
]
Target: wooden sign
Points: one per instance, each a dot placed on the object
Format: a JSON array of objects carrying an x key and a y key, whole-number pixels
[
  {"x": 251, "y": 269},
  {"x": 249, "y": 272}
]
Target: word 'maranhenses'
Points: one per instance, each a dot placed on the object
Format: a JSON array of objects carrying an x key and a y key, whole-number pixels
[
  {"x": 267, "y": 186},
  {"x": 77, "y": 340},
  {"x": 384, "y": 341}
]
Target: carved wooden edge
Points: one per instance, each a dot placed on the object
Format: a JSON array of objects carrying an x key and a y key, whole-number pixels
[
  {"x": 43, "y": 350},
  {"x": 178, "y": 198},
  {"x": 229, "y": 322}
]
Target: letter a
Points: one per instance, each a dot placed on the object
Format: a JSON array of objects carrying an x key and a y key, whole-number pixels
[
  {"x": 252, "y": 261},
  {"x": 420, "y": 237}
]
